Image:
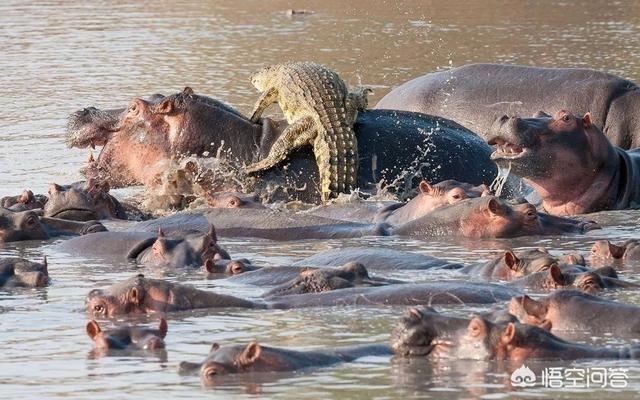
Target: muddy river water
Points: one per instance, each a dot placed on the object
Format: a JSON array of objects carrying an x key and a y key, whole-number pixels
[{"x": 56, "y": 57}]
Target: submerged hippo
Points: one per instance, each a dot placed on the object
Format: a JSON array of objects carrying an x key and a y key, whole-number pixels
[
  {"x": 27, "y": 225},
  {"x": 216, "y": 268},
  {"x": 182, "y": 249},
  {"x": 475, "y": 95},
  {"x": 428, "y": 199},
  {"x": 605, "y": 251},
  {"x": 128, "y": 337},
  {"x": 376, "y": 259},
  {"x": 568, "y": 161},
  {"x": 233, "y": 200},
  {"x": 390, "y": 143},
  {"x": 254, "y": 358},
  {"x": 490, "y": 217},
  {"x": 18, "y": 272},
  {"x": 83, "y": 201},
  {"x": 487, "y": 217},
  {"x": 570, "y": 310},
  {"x": 139, "y": 295},
  {"x": 427, "y": 333},
  {"x": 310, "y": 280},
  {"x": 590, "y": 282},
  {"x": 23, "y": 202}
]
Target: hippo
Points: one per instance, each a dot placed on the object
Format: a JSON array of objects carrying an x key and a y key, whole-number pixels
[
  {"x": 233, "y": 200},
  {"x": 182, "y": 249},
  {"x": 23, "y": 202},
  {"x": 423, "y": 332},
  {"x": 486, "y": 216},
  {"x": 128, "y": 337},
  {"x": 138, "y": 139},
  {"x": 605, "y": 251},
  {"x": 310, "y": 280},
  {"x": 568, "y": 161},
  {"x": 475, "y": 95},
  {"x": 440, "y": 292},
  {"x": 490, "y": 217},
  {"x": 570, "y": 310},
  {"x": 376, "y": 259},
  {"x": 254, "y": 358},
  {"x": 83, "y": 201},
  {"x": 428, "y": 199},
  {"x": 216, "y": 268},
  {"x": 590, "y": 282},
  {"x": 140, "y": 295},
  {"x": 19, "y": 272},
  {"x": 27, "y": 225}
]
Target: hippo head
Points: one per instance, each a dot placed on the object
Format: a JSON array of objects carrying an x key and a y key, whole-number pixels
[
  {"x": 121, "y": 298},
  {"x": 530, "y": 311},
  {"x": 605, "y": 250},
  {"x": 493, "y": 217},
  {"x": 191, "y": 250},
  {"x": 426, "y": 333},
  {"x": 82, "y": 202},
  {"x": 18, "y": 226},
  {"x": 512, "y": 266},
  {"x": 543, "y": 146},
  {"x": 447, "y": 192},
  {"x": 234, "y": 200},
  {"x": 556, "y": 278},
  {"x": 129, "y": 337},
  {"x": 227, "y": 267},
  {"x": 23, "y": 202},
  {"x": 18, "y": 272}
]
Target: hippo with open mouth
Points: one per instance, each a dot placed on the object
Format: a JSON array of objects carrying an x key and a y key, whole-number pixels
[
  {"x": 136, "y": 141},
  {"x": 568, "y": 161}
]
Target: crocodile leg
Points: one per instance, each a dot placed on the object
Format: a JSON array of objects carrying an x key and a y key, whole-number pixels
[
  {"x": 266, "y": 99},
  {"x": 295, "y": 135}
]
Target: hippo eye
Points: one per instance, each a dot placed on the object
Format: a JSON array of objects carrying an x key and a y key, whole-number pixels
[
  {"x": 566, "y": 118},
  {"x": 31, "y": 220},
  {"x": 98, "y": 308}
]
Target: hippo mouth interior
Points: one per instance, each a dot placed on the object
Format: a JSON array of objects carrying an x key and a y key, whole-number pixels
[{"x": 507, "y": 150}]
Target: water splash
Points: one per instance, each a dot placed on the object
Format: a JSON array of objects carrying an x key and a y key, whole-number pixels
[{"x": 498, "y": 184}]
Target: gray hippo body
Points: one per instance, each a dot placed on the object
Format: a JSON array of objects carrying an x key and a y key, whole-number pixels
[{"x": 476, "y": 95}]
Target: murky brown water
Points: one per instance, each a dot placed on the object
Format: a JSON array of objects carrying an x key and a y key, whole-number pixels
[{"x": 57, "y": 57}]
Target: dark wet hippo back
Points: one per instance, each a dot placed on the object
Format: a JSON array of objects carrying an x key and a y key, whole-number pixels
[{"x": 475, "y": 95}]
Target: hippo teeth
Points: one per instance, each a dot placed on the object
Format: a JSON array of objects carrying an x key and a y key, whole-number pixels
[{"x": 508, "y": 150}]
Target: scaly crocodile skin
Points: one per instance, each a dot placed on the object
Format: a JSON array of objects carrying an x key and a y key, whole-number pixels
[{"x": 320, "y": 112}]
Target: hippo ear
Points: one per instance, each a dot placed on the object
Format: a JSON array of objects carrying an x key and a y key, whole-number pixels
[
  {"x": 587, "y": 121},
  {"x": 214, "y": 347},
  {"x": 250, "y": 355},
  {"x": 511, "y": 260},
  {"x": 495, "y": 207},
  {"x": 508, "y": 334},
  {"x": 425, "y": 187},
  {"x": 136, "y": 295},
  {"x": 484, "y": 190},
  {"x": 533, "y": 307},
  {"x": 165, "y": 106},
  {"x": 212, "y": 234},
  {"x": 477, "y": 327},
  {"x": 187, "y": 91},
  {"x": 160, "y": 233},
  {"x": 556, "y": 275},
  {"x": 210, "y": 266},
  {"x": 93, "y": 329},
  {"x": 163, "y": 327},
  {"x": 616, "y": 251},
  {"x": 541, "y": 114},
  {"x": 90, "y": 158},
  {"x": 45, "y": 263}
]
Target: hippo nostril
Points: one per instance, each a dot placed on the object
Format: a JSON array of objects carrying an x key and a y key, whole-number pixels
[{"x": 504, "y": 119}]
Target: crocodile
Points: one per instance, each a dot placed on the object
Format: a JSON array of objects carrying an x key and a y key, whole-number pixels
[{"x": 320, "y": 112}]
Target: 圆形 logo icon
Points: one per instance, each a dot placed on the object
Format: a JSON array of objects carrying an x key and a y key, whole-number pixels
[{"x": 523, "y": 377}]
